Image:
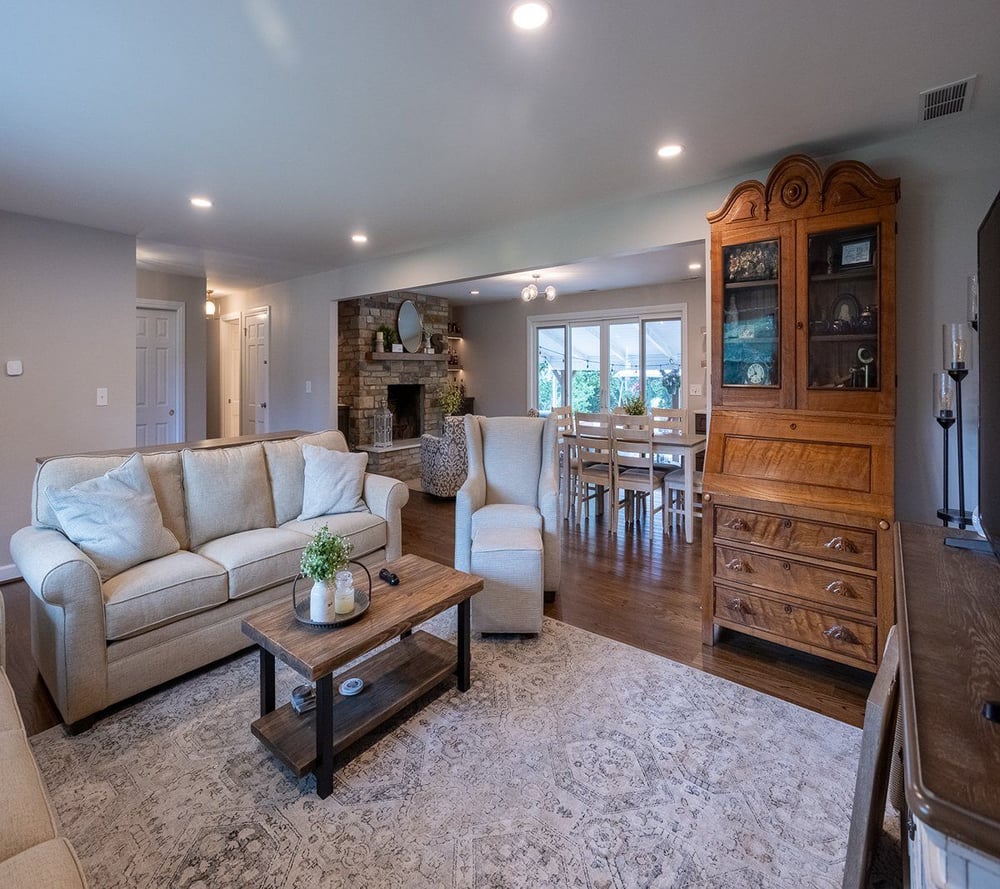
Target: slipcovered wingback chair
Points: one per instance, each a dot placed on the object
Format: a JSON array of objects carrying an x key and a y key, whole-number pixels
[
  {"x": 444, "y": 461},
  {"x": 513, "y": 483}
]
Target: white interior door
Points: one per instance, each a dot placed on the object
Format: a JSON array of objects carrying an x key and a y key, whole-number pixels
[
  {"x": 230, "y": 357},
  {"x": 256, "y": 340},
  {"x": 158, "y": 381}
]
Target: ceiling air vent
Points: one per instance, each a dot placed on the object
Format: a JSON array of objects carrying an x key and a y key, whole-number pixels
[{"x": 952, "y": 98}]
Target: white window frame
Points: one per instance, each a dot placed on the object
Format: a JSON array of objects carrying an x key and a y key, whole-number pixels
[{"x": 662, "y": 312}]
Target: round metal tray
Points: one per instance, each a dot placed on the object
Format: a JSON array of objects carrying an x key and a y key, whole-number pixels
[{"x": 362, "y": 602}]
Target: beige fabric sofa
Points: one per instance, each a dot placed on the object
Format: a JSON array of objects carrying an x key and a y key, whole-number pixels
[
  {"x": 234, "y": 511},
  {"x": 32, "y": 854}
]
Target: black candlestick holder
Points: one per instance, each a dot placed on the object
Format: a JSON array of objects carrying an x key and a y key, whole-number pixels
[{"x": 957, "y": 372}]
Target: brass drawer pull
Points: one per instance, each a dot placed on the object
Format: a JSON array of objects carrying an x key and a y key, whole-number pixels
[
  {"x": 842, "y": 545},
  {"x": 739, "y": 566},
  {"x": 738, "y": 524},
  {"x": 739, "y": 606},
  {"x": 839, "y": 588},
  {"x": 841, "y": 634}
]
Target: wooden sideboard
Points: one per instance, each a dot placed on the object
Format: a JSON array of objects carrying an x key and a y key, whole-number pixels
[{"x": 948, "y": 605}]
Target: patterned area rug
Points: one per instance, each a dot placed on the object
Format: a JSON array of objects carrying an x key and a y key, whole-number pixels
[{"x": 573, "y": 761}]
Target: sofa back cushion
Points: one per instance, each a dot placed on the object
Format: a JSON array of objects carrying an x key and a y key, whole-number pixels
[
  {"x": 64, "y": 472},
  {"x": 226, "y": 491},
  {"x": 286, "y": 468},
  {"x": 512, "y": 457}
]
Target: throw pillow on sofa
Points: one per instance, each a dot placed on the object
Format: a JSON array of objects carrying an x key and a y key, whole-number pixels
[
  {"x": 114, "y": 519},
  {"x": 334, "y": 482}
]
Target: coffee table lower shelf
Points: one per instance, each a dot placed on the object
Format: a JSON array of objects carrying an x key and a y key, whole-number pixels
[{"x": 393, "y": 678}]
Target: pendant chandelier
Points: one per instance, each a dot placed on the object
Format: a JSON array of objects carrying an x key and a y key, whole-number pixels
[{"x": 531, "y": 291}]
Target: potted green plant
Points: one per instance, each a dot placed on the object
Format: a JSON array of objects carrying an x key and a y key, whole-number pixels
[
  {"x": 634, "y": 406},
  {"x": 450, "y": 396},
  {"x": 324, "y": 558},
  {"x": 385, "y": 336}
]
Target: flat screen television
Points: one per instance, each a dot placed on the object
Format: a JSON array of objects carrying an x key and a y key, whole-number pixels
[{"x": 989, "y": 375}]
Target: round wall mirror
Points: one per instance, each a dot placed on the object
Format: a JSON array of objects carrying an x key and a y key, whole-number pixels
[{"x": 409, "y": 327}]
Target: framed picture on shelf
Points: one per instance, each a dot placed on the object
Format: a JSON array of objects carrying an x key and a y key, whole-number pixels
[{"x": 857, "y": 253}]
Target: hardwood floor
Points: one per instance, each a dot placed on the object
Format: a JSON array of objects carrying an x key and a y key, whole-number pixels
[{"x": 619, "y": 586}]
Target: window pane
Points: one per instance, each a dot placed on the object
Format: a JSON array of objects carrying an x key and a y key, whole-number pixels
[
  {"x": 663, "y": 363},
  {"x": 624, "y": 363},
  {"x": 551, "y": 365},
  {"x": 585, "y": 346}
]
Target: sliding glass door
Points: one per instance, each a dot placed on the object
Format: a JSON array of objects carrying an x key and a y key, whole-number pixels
[{"x": 636, "y": 353}]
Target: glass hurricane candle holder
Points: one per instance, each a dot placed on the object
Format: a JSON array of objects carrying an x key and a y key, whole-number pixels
[
  {"x": 944, "y": 397},
  {"x": 956, "y": 346},
  {"x": 973, "y": 301}
]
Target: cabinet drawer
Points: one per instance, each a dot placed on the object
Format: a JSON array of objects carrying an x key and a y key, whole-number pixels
[
  {"x": 820, "y": 629},
  {"x": 836, "y": 543},
  {"x": 823, "y": 586}
]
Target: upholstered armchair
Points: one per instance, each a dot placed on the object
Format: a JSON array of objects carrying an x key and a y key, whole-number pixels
[
  {"x": 444, "y": 461},
  {"x": 513, "y": 483}
]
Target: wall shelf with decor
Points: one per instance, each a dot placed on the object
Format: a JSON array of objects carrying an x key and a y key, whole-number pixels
[{"x": 405, "y": 356}]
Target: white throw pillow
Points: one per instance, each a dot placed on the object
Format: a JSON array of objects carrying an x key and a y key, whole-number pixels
[
  {"x": 334, "y": 482},
  {"x": 114, "y": 519}
]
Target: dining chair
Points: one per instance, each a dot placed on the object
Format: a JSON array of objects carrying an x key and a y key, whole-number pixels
[
  {"x": 669, "y": 421},
  {"x": 593, "y": 459},
  {"x": 563, "y": 417},
  {"x": 634, "y": 470}
]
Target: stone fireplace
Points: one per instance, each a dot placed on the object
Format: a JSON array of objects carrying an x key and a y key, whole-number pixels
[{"x": 406, "y": 383}]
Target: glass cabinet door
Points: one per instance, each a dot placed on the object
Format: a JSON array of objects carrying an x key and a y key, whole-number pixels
[
  {"x": 751, "y": 346},
  {"x": 843, "y": 310}
]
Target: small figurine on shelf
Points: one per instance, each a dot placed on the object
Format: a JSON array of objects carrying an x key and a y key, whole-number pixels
[{"x": 829, "y": 259}]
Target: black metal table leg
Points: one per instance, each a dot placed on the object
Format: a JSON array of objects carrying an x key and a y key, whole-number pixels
[
  {"x": 464, "y": 655},
  {"x": 266, "y": 682},
  {"x": 324, "y": 736}
]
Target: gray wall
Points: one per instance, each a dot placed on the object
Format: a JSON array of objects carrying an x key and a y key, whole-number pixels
[
  {"x": 67, "y": 311},
  {"x": 190, "y": 291},
  {"x": 303, "y": 326},
  {"x": 494, "y": 348}
]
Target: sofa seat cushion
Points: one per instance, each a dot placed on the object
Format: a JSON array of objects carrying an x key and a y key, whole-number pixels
[
  {"x": 256, "y": 560},
  {"x": 159, "y": 592},
  {"x": 502, "y": 516},
  {"x": 366, "y": 531},
  {"x": 25, "y": 816},
  {"x": 51, "y": 864}
]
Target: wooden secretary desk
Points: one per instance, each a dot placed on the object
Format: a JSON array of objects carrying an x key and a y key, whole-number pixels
[{"x": 798, "y": 484}]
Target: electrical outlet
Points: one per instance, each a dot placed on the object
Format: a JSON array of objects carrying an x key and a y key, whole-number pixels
[
  {"x": 695, "y": 390},
  {"x": 102, "y": 397}
]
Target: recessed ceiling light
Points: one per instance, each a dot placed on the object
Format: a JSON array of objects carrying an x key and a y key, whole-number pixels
[
  {"x": 694, "y": 266},
  {"x": 359, "y": 238},
  {"x": 201, "y": 203},
  {"x": 530, "y": 16},
  {"x": 474, "y": 293},
  {"x": 669, "y": 150}
]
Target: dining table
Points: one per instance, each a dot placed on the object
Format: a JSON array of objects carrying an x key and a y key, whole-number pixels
[{"x": 682, "y": 446}]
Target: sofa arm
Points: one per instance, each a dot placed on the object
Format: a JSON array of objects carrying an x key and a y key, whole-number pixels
[
  {"x": 3, "y": 637},
  {"x": 386, "y": 498},
  {"x": 68, "y": 633},
  {"x": 470, "y": 497}
]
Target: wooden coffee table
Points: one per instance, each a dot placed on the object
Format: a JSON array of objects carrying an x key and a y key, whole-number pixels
[{"x": 393, "y": 678}]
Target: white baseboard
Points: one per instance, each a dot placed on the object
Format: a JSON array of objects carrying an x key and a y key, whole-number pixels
[{"x": 9, "y": 572}]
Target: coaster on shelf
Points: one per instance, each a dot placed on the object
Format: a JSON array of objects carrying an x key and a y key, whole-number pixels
[{"x": 352, "y": 686}]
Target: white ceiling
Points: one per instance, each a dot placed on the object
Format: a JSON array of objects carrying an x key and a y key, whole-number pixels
[{"x": 420, "y": 122}]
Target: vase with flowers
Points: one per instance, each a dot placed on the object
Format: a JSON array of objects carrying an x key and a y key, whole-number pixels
[{"x": 325, "y": 558}]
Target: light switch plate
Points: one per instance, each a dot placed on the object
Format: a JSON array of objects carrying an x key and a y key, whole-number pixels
[
  {"x": 695, "y": 390},
  {"x": 14, "y": 369},
  {"x": 102, "y": 397}
]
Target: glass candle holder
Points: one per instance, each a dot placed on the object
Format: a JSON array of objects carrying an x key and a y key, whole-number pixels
[
  {"x": 973, "y": 301},
  {"x": 343, "y": 597},
  {"x": 944, "y": 396},
  {"x": 956, "y": 346}
]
